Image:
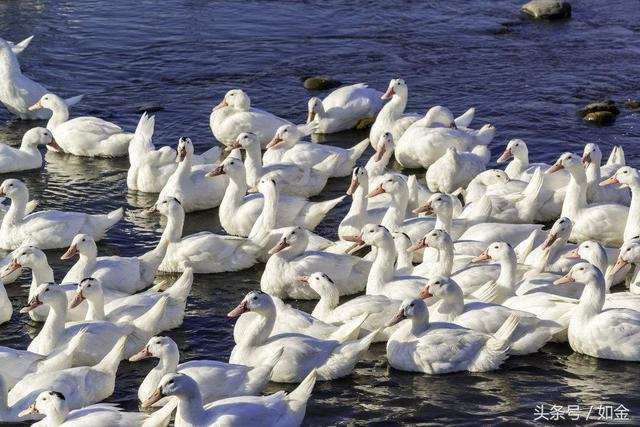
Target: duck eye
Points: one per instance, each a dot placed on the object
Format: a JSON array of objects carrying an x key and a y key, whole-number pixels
[
  {"x": 84, "y": 240},
  {"x": 625, "y": 171},
  {"x": 286, "y": 130},
  {"x": 46, "y": 290},
  {"x": 170, "y": 382},
  {"x": 89, "y": 285},
  {"x": 437, "y": 283},
  {"x": 411, "y": 305},
  {"x": 495, "y": 247}
]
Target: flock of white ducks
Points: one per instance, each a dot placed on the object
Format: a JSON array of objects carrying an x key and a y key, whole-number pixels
[{"x": 458, "y": 273}]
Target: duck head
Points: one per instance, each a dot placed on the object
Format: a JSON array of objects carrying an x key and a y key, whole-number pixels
[
  {"x": 235, "y": 98},
  {"x": 156, "y": 347},
  {"x": 359, "y": 177},
  {"x": 626, "y": 176},
  {"x": 46, "y": 294},
  {"x": 293, "y": 239},
  {"x": 410, "y": 309},
  {"x": 88, "y": 289},
  {"x": 48, "y": 402},
  {"x": 185, "y": 148},
  {"x": 24, "y": 257},
  {"x": 81, "y": 244},
  {"x": 397, "y": 87}
]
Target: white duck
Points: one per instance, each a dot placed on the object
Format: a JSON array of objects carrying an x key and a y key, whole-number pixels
[
  {"x": 440, "y": 348},
  {"x": 206, "y": 252},
  {"x": 428, "y": 139},
  {"x": 378, "y": 308},
  {"x": 604, "y": 222},
  {"x": 32, "y": 258},
  {"x": 133, "y": 306},
  {"x": 377, "y": 164},
  {"x": 404, "y": 259},
  {"x": 359, "y": 212},
  {"x": 456, "y": 169},
  {"x": 287, "y": 147},
  {"x": 348, "y": 107},
  {"x": 17, "y": 91},
  {"x": 99, "y": 336},
  {"x": 628, "y": 177},
  {"x": 82, "y": 136},
  {"x": 192, "y": 184},
  {"x": 290, "y": 260},
  {"x": 591, "y": 158},
  {"x": 603, "y": 333},
  {"x": 238, "y": 212},
  {"x": 150, "y": 168},
  {"x": 391, "y": 117},
  {"x": 548, "y": 256},
  {"x": 520, "y": 168},
  {"x": 217, "y": 380},
  {"x": 124, "y": 274},
  {"x": 234, "y": 115},
  {"x": 275, "y": 410},
  {"x": 27, "y": 156},
  {"x": 491, "y": 182},
  {"x": 264, "y": 232},
  {"x": 293, "y": 179},
  {"x": 302, "y": 353},
  {"x": 81, "y": 386},
  {"x": 55, "y": 408},
  {"x": 529, "y": 336},
  {"x": 47, "y": 229},
  {"x": 19, "y": 47}
]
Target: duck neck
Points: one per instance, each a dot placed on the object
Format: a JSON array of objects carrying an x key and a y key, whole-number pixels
[
  {"x": 576, "y": 196},
  {"x": 382, "y": 269},
  {"x": 419, "y": 325},
  {"x": 592, "y": 299},
  {"x": 190, "y": 410},
  {"x": 17, "y": 211},
  {"x": 253, "y": 164},
  {"x": 507, "y": 277},
  {"x": 451, "y": 306},
  {"x": 167, "y": 363},
  {"x": 59, "y": 115},
  {"x": 593, "y": 173},
  {"x": 634, "y": 208},
  {"x": 173, "y": 231},
  {"x": 56, "y": 416},
  {"x": 87, "y": 262},
  {"x": 234, "y": 195},
  {"x": 268, "y": 217},
  {"x": 404, "y": 260},
  {"x": 444, "y": 220},
  {"x": 183, "y": 171},
  {"x": 41, "y": 272},
  {"x": 396, "y": 106},
  {"x": 397, "y": 210},
  {"x": 95, "y": 308},
  {"x": 359, "y": 204},
  {"x": 30, "y": 149},
  {"x": 329, "y": 300},
  {"x": 261, "y": 328},
  {"x": 4, "y": 407},
  {"x": 52, "y": 329},
  {"x": 444, "y": 264}
]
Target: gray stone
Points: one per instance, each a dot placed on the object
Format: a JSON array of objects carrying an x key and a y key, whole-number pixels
[
  {"x": 149, "y": 108},
  {"x": 320, "y": 83},
  {"x": 601, "y": 118},
  {"x": 632, "y": 104},
  {"x": 547, "y": 9},
  {"x": 608, "y": 105}
]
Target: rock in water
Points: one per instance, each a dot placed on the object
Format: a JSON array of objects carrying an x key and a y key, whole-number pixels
[
  {"x": 547, "y": 9},
  {"x": 632, "y": 104},
  {"x": 607, "y": 105},
  {"x": 601, "y": 118},
  {"x": 149, "y": 108},
  {"x": 320, "y": 83}
]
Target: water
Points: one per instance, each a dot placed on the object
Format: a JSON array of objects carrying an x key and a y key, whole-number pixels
[{"x": 526, "y": 78}]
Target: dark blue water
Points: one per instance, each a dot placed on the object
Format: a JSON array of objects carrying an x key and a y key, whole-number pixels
[{"x": 526, "y": 78}]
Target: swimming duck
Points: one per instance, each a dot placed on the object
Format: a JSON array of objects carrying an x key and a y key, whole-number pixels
[
  {"x": 348, "y": 107},
  {"x": 151, "y": 168},
  {"x": 391, "y": 117},
  {"x": 238, "y": 213},
  {"x": 520, "y": 168},
  {"x": 27, "y": 156},
  {"x": 276, "y": 410},
  {"x": 191, "y": 184},
  {"x": 217, "y": 380},
  {"x": 440, "y": 348},
  {"x": 628, "y": 177},
  {"x": 359, "y": 214},
  {"x": 19, "y": 47},
  {"x": 302, "y": 353},
  {"x": 17, "y": 91},
  {"x": 234, "y": 115},
  {"x": 591, "y": 158},
  {"x": 82, "y": 136},
  {"x": 456, "y": 169},
  {"x": 46, "y": 229}
]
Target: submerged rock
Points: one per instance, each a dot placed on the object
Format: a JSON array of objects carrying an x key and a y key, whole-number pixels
[
  {"x": 607, "y": 106},
  {"x": 632, "y": 104},
  {"x": 149, "y": 108},
  {"x": 320, "y": 83},
  {"x": 601, "y": 118},
  {"x": 547, "y": 9}
]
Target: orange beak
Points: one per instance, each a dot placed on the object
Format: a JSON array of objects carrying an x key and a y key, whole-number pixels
[
  {"x": 157, "y": 395},
  {"x": 33, "y": 304},
  {"x": 397, "y": 318},
  {"x": 31, "y": 410},
  {"x": 10, "y": 268},
  {"x": 141, "y": 355},
  {"x": 550, "y": 240},
  {"x": 222, "y": 104},
  {"x": 426, "y": 208},
  {"x": 482, "y": 257},
  {"x": 217, "y": 171},
  {"x": 379, "y": 152},
  {"x": 239, "y": 310},
  {"x": 311, "y": 115},
  {"x": 610, "y": 181},
  {"x": 36, "y": 106},
  {"x": 567, "y": 278},
  {"x": 424, "y": 293},
  {"x": 422, "y": 243},
  {"x": 182, "y": 153},
  {"x": 379, "y": 190},
  {"x": 302, "y": 279},
  {"x": 54, "y": 144},
  {"x": 353, "y": 186},
  {"x": 77, "y": 300},
  {"x": 555, "y": 167},
  {"x": 275, "y": 141},
  {"x": 389, "y": 93},
  {"x": 619, "y": 265},
  {"x": 282, "y": 245},
  {"x": 572, "y": 254},
  {"x": 586, "y": 160},
  {"x": 505, "y": 156},
  {"x": 71, "y": 252}
]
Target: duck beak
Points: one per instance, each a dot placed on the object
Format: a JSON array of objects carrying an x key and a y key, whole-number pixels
[
  {"x": 567, "y": 278},
  {"x": 555, "y": 167},
  {"x": 275, "y": 141},
  {"x": 233, "y": 146},
  {"x": 157, "y": 395},
  {"x": 426, "y": 208},
  {"x": 302, "y": 279},
  {"x": 71, "y": 252},
  {"x": 239, "y": 310},
  {"x": 141, "y": 355},
  {"x": 77, "y": 300},
  {"x": 357, "y": 243},
  {"x": 253, "y": 189},
  {"x": 379, "y": 152},
  {"x": 310, "y": 116},
  {"x": 397, "y": 318},
  {"x": 610, "y": 181},
  {"x": 424, "y": 293},
  {"x": 353, "y": 186},
  {"x": 217, "y": 171},
  {"x": 33, "y": 304},
  {"x": 619, "y": 265},
  {"x": 31, "y": 410},
  {"x": 586, "y": 160},
  {"x": 54, "y": 144},
  {"x": 2, "y": 193},
  {"x": 182, "y": 153},
  {"x": 153, "y": 210},
  {"x": 222, "y": 104},
  {"x": 551, "y": 238},
  {"x": 282, "y": 245},
  {"x": 422, "y": 243},
  {"x": 379, "y": 190},
  {"x": 505, "y": 156},
  {"x": 572, "y": 254},
  {"x": 389, "y": 93},
  {"x": 10, "y": 268},
  {"x": 36, "y": 106},
  {"x": 453, "y": 125},
  {"x": 482, "y": 257}
]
